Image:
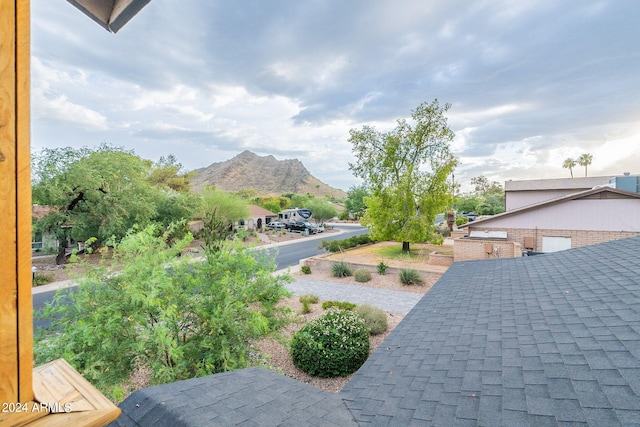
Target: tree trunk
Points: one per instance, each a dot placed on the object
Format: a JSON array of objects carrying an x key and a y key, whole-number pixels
[
  {"x": 61, "y": 254},
  {"x": 405, "y": 247}
]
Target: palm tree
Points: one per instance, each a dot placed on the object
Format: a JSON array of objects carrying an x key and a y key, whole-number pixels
[
  {"x": 569, "y": 163},
  {"x": 585, "y": 160}
]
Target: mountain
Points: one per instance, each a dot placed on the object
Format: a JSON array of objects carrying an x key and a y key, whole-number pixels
[{"x": 265, "y": 174}]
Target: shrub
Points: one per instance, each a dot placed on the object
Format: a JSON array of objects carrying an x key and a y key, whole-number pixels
[
  {"x": 42, "y": 279},
  {"x": 410, "y": 277},
  {"x": 341, "y": 269},
  {"x": 309, "y": 298},
  {"x": 340, "y": 305},
  {"x": 189, "y": 320},
  {"x": 461, "y": 220},
  {"x": 335, "y": 344},
  {"x": 305, "y": 307},
  {"x": 340, "y": 245},
  {"x": 374, "y": 318},
  {"x": 382, "y": 268},
  {"x": 305, "y": 269},
  {"x": 362, "y": 275}
]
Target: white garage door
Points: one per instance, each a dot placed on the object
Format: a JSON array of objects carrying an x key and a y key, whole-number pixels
[{"x": 555, "y": 244}]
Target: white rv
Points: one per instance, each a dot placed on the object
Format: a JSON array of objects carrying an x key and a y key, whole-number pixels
[{"x": 294, "y": 214}]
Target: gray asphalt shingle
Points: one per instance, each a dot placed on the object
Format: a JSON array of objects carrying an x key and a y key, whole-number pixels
[{"x": 550, "y": 339}]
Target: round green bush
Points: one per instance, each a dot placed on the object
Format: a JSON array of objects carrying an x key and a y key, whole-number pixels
[
  {"x": 362, "y": 275},
  {"x": 335, "y": 344},
  {"x": 374, "y": 318}
]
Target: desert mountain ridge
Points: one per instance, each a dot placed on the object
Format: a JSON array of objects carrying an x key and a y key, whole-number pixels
[{"x": 265, "y": 174}]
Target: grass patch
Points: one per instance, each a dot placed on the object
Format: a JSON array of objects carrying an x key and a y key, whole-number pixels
[{"x": 395, "y": 252}]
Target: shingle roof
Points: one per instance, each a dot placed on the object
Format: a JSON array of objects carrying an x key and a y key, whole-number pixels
[
  {"x": 248, "y": 397},
  {"x": 547, "y": 340},
  {"x": 543, "y": 340}
]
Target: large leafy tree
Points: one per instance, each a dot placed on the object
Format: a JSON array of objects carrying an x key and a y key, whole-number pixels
[
  {"x": 354, "y": 204},
  {"x": 406, "y": 170},
  {"x": 487, "y": 199},
  {"x": 321, "y": 209},
  {"x": 168, "y": 172},
  {"x": 99, "y": 193}
]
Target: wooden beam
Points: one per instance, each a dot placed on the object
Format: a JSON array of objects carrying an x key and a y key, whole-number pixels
[
  {"x": 23, "y": 199},
  {"x": 9, "y": 378},
  {"x": 16, "y": 317}
]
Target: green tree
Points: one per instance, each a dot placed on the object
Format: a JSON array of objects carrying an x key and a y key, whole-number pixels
[
  {"x": 221, "y": 211},
  {"x": 354, "y": 204},
  {"x": 189, "y": 320},
  {"x": 299, "y": 201},
  {"x": 99, "y": 193},
  {"x": 481, "y": 184},
  {"x": 585, "y": 160},
  {"x": 407, "y": 170},
  {"x": 167, "y": 172},
  {"x": 321, "y": 210},
  {"x": 569, "y": 163}
]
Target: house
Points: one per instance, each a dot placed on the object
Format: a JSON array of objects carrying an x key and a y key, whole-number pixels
[
  {"x": 259, "y": 217},
  {"x": 546, "y": 340},
  {"x": 529, "y": 192},
  {"x": 42, "y": 241},
  {"x": 578, "y": 219}
]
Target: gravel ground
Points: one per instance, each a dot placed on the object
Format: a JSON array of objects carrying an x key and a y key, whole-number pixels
[{"x": 276, "y": 353}]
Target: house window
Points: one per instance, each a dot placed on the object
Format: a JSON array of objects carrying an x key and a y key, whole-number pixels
[{"x": 555, "y": 243}]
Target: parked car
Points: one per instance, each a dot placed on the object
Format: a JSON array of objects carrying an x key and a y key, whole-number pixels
[
  {"x": 319, "y": 228},
  {"x": 301, "y": 226},
  {"x": 277, "y": 225}
]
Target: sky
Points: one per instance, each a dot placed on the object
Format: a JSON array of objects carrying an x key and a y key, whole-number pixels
[{"x": 530, "y": 82}]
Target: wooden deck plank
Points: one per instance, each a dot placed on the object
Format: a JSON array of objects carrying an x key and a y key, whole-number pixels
[
  {"x": 22, "y": 418},
  {"x": 97, "y": 418}
]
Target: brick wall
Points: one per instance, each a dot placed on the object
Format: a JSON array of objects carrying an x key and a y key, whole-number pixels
[
  {"x": 474, "y": 249},
  {"x": 579, "y": 238}
]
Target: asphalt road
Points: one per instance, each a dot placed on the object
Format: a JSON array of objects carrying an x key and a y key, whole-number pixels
[{"x": 287, "y": 256}]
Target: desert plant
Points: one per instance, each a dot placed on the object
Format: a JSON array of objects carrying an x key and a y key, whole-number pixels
[
  {"x": 42, "y": 279},
  {"x": 340, "y": 305},
  {"x": 305, "y": 307},
  {"x": 305, "y": 269},
  {"x": 335, "y": 344},
  {"x": 362, "y": 275},
  {"x": 374, "y": 318},
  {"x": 341, "y": 269},
  {"x": 382, "y": 268},
  {"x": 410, "y": 277},
  {"x": 309, "y": 298}
]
